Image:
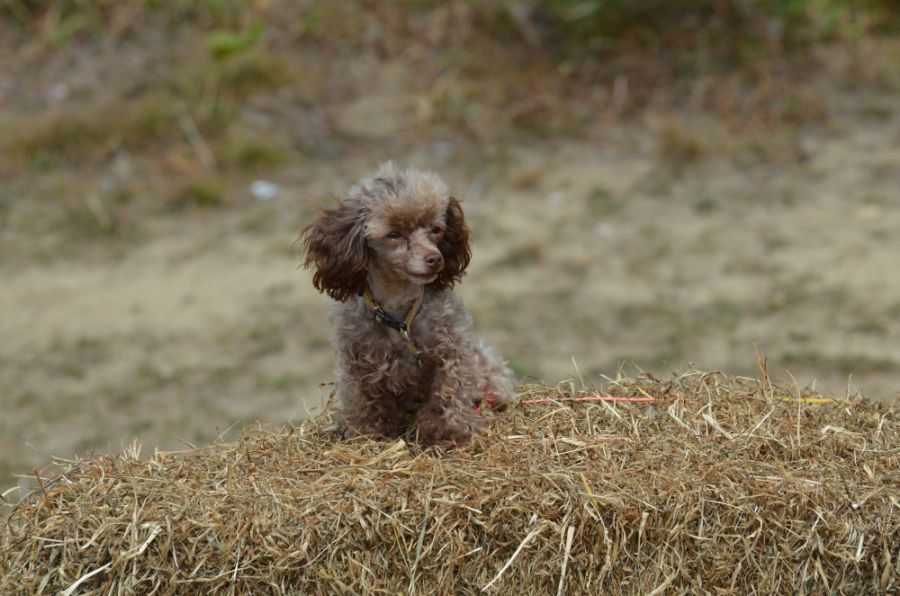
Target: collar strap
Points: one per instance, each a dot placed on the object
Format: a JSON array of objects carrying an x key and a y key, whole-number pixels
[{"x": 402, "y": 326}]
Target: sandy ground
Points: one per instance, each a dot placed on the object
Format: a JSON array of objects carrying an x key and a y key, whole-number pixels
[
  {"x": 594, "y": 256},
  {"x": 583, "y": 252}
]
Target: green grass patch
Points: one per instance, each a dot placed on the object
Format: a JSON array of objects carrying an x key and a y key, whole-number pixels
[
  {"x": 251, "y": 153},
  {"x": 601, "y": 202},
  {"x": 88, "y": 133},
  {"x": 95, "y": 217},
  {"x": 254, "y": 72},
  {"x": 203, "y": 193},
  {"x": 870, "y": 326}
]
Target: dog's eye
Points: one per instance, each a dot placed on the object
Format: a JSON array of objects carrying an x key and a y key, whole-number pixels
[
  {"x": 393, "y": 236},
  {"x": 436, "y": 230}
]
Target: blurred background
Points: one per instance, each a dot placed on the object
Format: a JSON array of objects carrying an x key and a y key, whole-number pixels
[{"x": 650, "y": 184}]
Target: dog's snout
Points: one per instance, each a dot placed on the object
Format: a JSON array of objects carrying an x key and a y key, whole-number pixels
[{"x": 434, "y": 260}]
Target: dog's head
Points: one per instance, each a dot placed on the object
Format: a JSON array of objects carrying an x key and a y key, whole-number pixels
[{"x": 401, "y": 223}]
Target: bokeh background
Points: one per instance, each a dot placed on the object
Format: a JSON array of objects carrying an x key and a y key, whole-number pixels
[{"x": 651, "y": 184}]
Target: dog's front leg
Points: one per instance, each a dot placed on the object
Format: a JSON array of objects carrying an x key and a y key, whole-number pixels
[
  {"x": 449, "y": 417},
  {"x": 373, "y": 409}
]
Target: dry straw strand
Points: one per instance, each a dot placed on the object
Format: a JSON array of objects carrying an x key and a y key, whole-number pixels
[{"x": 570, "y": 534}]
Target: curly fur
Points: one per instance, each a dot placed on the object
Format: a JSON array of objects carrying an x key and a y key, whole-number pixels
[{"x": 395, "y": 232}]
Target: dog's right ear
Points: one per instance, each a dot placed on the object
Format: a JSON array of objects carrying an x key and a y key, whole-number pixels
[
  {"x": 335, "y": 246},
  {"x": 454, "y": 247}
]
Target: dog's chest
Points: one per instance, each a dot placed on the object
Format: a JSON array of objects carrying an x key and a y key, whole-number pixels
[{"x": 372, "y": 341}]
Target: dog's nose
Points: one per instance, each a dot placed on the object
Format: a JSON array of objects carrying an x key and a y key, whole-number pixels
[{"x": 434, "y": 260}]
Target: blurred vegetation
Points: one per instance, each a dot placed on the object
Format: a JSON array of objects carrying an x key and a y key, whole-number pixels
[
  {"x": 730, "y": 31},
  {"x": 731, "y": 25},
  {"x": 178, "y": 92},
  {"x": 647, "y": 41}
]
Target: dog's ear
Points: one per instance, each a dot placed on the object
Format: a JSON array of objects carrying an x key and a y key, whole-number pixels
[
  {"x": 454, "y": 247},
  {"x": 336, "y": 247}
]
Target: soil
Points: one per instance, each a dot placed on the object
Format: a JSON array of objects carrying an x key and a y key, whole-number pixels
[{"x": 647, "y": 245}]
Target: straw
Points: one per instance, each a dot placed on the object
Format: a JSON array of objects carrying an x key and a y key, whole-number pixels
[{"x": 725, "y": 488}]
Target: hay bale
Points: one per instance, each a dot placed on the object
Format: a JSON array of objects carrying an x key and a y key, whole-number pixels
[{"x": 721, "y": 485}]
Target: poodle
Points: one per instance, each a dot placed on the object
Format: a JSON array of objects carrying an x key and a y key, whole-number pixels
[{"x": 389, "y": 255}]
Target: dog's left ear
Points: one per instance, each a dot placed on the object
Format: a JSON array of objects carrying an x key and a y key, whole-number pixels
[{"x": 454, "y": 247}]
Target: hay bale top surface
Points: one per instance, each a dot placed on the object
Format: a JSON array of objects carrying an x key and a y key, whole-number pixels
[{"x": 706, "y": 483}]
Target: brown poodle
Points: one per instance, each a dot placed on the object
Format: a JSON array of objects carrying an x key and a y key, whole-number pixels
[{"x": 389, "y": 255}]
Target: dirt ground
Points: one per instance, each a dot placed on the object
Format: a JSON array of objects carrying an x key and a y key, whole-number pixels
[{"x": 647, "y": 245}]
